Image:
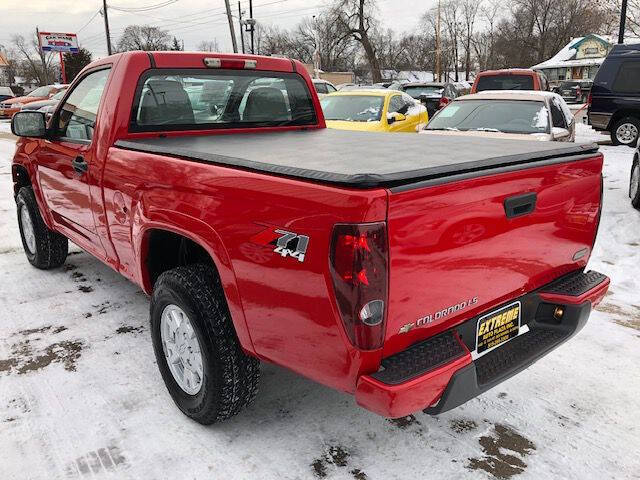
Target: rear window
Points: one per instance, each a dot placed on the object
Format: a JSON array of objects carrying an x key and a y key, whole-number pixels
[
  {"x": 505, "y": 82},
  {"x": 627, "y": 79},
  {"x": 353, "y": 108},
  {"x": 199, "y": 100},
  {"x": 415, "y": 92}
]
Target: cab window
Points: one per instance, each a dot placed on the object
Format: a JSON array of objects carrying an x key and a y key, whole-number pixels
[
  {"x": 78, "y": 114},
  {"x": 321, "y": 87}
]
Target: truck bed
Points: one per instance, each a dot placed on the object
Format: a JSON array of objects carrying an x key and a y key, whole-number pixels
[{"x": 360, "y": 159}]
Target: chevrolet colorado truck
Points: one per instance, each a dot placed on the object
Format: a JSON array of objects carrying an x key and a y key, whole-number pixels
[{"x": 413, "y": 272}]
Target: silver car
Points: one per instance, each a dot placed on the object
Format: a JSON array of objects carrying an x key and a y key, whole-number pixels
[{"x": 530, "y": 115}]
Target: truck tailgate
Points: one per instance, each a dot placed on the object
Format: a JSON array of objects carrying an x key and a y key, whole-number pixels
[{"x": 461, "y": 247}]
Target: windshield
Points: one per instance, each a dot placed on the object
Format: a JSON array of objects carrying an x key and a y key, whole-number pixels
[
  {"x": 40, "y": 92},
  {"x": 353, "y": 108},
  {"x": 505, "y": 82},
  {"x": 508, "y": 116},
  {"x": 59, "y": 95},
  {"x": 415, "y": 92},
  {"x": 193, "y": 99}
]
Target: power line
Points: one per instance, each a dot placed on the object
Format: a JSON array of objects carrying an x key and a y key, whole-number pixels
[
  {"x": 88, "y": 22},
  {"x": 145, "y": 8}
]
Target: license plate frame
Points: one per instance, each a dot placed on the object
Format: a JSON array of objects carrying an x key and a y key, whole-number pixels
[{"x": 503, "y": 324}]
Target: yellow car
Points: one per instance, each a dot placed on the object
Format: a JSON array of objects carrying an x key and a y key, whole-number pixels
[{"x": 373, "y": 110}]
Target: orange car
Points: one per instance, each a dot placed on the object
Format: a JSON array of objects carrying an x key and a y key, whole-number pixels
[
  {"x": 510, "y": 79},
  {"x": 13, "y": 105}
]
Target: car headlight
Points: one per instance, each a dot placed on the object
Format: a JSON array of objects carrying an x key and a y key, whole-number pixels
[{"x": 16, "y": 105}]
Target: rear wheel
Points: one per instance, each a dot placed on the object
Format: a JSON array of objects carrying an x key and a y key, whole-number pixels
[
  {"x": 198, "y": 353},
  {"x": 626, "y": 131},
  {"x": 44, "y": 248},
  {"x": 634, "y": 184}
]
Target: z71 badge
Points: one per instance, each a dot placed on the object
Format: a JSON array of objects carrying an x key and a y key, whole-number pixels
[{"x": 287, "y": 244}]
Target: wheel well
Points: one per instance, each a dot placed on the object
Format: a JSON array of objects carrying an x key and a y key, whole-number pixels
[
  {"x": 167, "y": 250},
  {"x": 623, "y": 113},
  {"x": 20, "y": 177}
]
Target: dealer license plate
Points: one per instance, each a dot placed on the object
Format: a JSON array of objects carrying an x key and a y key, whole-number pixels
[{"x": 498, "y": 327}]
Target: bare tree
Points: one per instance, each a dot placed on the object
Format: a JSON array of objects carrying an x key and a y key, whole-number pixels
[
  {"x": 469, "y": 14},
  {"x": 34, "y": 63},
  {"x": 451, "y": 19},
  {"x": 356, "y": 20},
  {"x": 209, "y": 46},
  {"x": 144, "y": 37}
]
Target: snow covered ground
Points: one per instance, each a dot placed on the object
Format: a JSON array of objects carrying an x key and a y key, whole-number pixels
[{"x": 80, "y": 395}]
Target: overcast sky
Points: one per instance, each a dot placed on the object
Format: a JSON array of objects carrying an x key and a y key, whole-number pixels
[{"x": 189, "y": 20}]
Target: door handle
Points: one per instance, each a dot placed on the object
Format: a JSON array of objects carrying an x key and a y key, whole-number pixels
[
  {"x": 80, "y": 165},
  {"x": 519, "y": 205}
]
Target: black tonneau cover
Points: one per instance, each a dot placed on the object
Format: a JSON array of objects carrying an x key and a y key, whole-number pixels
[{"x": 359, "y": 159}]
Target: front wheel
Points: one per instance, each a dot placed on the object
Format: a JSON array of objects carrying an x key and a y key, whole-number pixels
[
  {"x": 626, "y": 132},
  {"x": 197, "y": 350},
  {"x": 44, "y": 248},
  {"x": 634, "y": 184}
]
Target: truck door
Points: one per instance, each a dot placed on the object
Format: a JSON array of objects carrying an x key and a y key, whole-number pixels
[{"x": 64, "y": 163}]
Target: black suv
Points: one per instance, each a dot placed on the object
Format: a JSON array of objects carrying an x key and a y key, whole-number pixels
[{"x": 614, "y": 103}]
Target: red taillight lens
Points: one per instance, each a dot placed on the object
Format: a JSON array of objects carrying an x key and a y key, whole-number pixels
[
  {"x": 589, "y": 98},
  {"x": 578, "y": 92},
  {"x": 444, "y": 101},
  {"x": 358, "y": 264}
]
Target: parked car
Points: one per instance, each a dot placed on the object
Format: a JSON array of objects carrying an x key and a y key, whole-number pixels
[
  {"x": 48, "y": 105},
  {"x": 510, "y": 79},
  {"x": 261, "y": 235},
  {"x": 373, "y": 110},
  {"x": 574, "y": 91},
  {"x": 9, "y": 107},
  {"x": 6, "y": 93},
  {"x": 634, "y": 180},
  {"x": 510, "y": 114},
  {"x": 323, "y": 87},
  {"x": 614, "y": 102},
  {"x": 433, "y": 95}
]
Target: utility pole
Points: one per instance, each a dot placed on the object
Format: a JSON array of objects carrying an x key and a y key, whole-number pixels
[
  {"x": 240, "y": 27},
  {"x": 233, "y": 33},
  {"x": 623, "y": 21},
  {"x": 106, "y": 25},
  {"x": 438, "y": 43},
  {"x": 253, "y": 23},
  {"x": 45, "y": 73}
]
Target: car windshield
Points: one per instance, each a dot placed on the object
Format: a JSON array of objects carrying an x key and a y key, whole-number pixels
[
  {"x": 569, "y": 84},
  {"x": 59, "y": 95},
  {"x": 353, "y": 108},
  {"x": 194, "y": 99},
  {"x": 40, "y": 92},
  {"x": 508, "y": 116},
  {"x": 505, "y": 82},
  {"x": 415, "y": 92}
]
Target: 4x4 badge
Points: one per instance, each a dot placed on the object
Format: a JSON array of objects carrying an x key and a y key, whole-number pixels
[{"x": 287, "y": 244}]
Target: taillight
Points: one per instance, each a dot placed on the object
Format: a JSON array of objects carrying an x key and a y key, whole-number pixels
[
  {"x": 358, "y": 264},
  {"x": 578, "y": 92},
  {"x": 589, "y": 98},
  {"x": 444, "y": 101}
]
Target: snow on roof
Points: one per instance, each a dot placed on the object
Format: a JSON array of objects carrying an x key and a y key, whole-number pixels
[{"x": 566, "y": 53}]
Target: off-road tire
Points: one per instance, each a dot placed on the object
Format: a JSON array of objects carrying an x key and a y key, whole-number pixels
[
  {"x": 631, "y": 120},
  {"x": 635, "y": 198},
  {"x": 230, "y": 377},
  {"x": 51, "y": 248}
]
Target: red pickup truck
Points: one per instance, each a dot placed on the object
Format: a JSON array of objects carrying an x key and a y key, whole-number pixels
[{"x": 413, "y": 272}]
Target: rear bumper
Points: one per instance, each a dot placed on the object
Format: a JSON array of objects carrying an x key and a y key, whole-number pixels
[{"x": 439, "y": 373}]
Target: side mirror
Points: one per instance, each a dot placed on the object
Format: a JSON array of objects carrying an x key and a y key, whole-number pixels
[
  {"x": 29, "y": 124},
  {"x": 395, "y": 117},
  {"x": 561, "y": 133}
]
